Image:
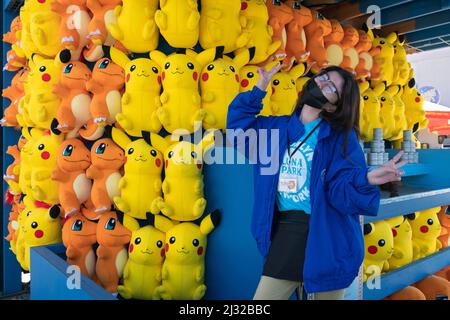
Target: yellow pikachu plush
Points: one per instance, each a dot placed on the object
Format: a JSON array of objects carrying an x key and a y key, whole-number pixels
[
  {"x": 142, "y": 87},
  {"x": 146, "y": 253},
  {"x": 260, "y": 32},
  {"x": 41, "y": 104},
  {"x": 178, "y": 22},
  {"x": 141, "y": 183},
  {"x": 219, "y": 85},
  {"x": 399, "y": 112},
  {"x": 387, "y": 111},
  {"x": 370, "y": 113},
  {"x": 403, "y": 246},
  {"x": 378, "y": 248},
  {"x": 414, "y": 112},
  {"x": 183, "y": 271},
  {"x": 221, "y": 23},
  {"x": 20, "y": 228},
  {"x": 43, "y": 158},
  {"x": 26, "y": 47},
  {"x": 426, "y": 229},
  {"x": 401, "y": 65},
  {"x": 385, "y": 57},
  {"x": 135, "y": 27},
  {"x": 26, "y": 166},
  {"x": 183, "y": 182},
  {"x": 181, "y": 101},
  {"x": 284, "y": 90},
  {"x": 249, "y": 76},
  {"x": 42, "y": 228},
  {"x": 44, "y": 27}
]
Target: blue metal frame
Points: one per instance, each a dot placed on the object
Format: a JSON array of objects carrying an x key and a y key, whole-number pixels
[
  {"x": 398, "y": 279},
  {"x": 11, "y": 282},
  {"x": 426, "y": 34},
  {"x": 412, "y": 10}
]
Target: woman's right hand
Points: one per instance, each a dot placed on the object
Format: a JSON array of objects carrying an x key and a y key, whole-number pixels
[{"x": 265, "y": 76}]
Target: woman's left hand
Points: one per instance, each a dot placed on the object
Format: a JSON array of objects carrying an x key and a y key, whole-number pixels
[{"x": 388, "y": 172}]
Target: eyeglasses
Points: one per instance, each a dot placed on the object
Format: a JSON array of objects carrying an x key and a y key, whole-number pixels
[{"x": 329, "y": 88}]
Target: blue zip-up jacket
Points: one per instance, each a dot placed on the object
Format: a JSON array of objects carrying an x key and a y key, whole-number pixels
[{"x": 339, "y": 193}]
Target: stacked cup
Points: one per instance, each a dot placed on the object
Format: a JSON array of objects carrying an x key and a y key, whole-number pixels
[
  {"x": 409, "y": 148},
  {"x": 377, "y": 155}
]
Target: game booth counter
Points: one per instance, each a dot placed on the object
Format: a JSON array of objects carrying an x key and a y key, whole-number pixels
[{"x": 100, "y": 203}]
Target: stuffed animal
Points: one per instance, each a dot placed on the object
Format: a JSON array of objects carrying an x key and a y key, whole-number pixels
[
  {"x": 107, "y": 159},
  {"x": 12, "y": 36},
  {"x": 103, "y": 14},
  {"x": 13, "y": 223},
  {"x": 378, "y": 248},
  {"x": 44, "y": 27},
  {"x": 146, "y": 253},
  {"x": 73, "y": 112},
  {"x": 106, "y": 85},
  {"x": 385, "y": 56},
  {"x": 426, "y": 229},
  {"x": 142, "y": 87},
  {"x": 365, "y": 64},
  {"x": 315, "y": 33},
  {"x": 249, "y": 76},
  {"x": 408, "y": 293},
  {"x": 43, "y": 159},
  {"x": 135, "y": 27},
  {"x": 335, "y": 51},
  {"x": 141, "y": 183},
  {"x": 14, "y": 61},
  {"x": 13, "y": 171},
  {"x": 434, "y": 287},
  {"x": 370, "y": 112},
  {"x": 403, "y": 247},
  {"x": 183, "y": 270},
  {"x": 280, "y": 15},
  {"x": 348, "y": 43},
  {"x": 73, "y": 159},
  {"x": 401, "y": 65},
  {"x": 284, "y": 90},
  {"x": 21, "y": 228},
  {"x": 399, "y": 113},
  {"x": 26, "y": 47},
  {"x": 387, "y": 112},
  {"x": 31, "y": 136},
  {"x": 41, "y": 228},
  {"x": 183, "y": 182},
  {"x": 14, "y": 93},
  {"x": 296, "y": 36},
  {"x": 260, "y": 32},
  {"x": 112, "y": 255},
  {"x": 40, "y": 104},
  {"x": 79, "y": 235},
  {"x": 219, "y": 85},
  {"x": 221, "y": 24},
  {"x": 444, "y": 219},
  {"x": 444, "y": 273},
  {"x": 181, "y": 101},
  {"x": 75, "y": 21},
  {"x": 414, "y": 112},
  {"x": 178, "y": 22}
]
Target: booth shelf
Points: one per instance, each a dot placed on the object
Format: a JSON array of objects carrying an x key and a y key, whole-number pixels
[
  {"x": 396, "y": 280},
  {"x": 412, "y": 170}
]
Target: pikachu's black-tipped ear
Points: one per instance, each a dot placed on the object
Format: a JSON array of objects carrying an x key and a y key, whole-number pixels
[
  {"x": 415, "y": 127},
  {"x": 181, "y": 51},
  {"x": 412, "y": 83},
  {"x": 219, "y": 52},
  {"x": 411, "y": 216},
  {"x": 54, "y": 127},
  {"x": 252, "y": 52},
  {"x": 65, "y": 56},
  {"x": 55, "y": 212},
  {"x": 120, "y": 216},
  {"x": 106, "y": 52},
  {"x": 147, "y": 137},
  {"x": 108, "y": 132},
  {"x": 368, "y": 228}
]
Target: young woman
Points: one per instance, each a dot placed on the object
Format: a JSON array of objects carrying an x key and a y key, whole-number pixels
[{"x": 306, "y": 216}]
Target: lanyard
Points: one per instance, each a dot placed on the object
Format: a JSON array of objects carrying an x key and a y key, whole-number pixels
[{"x": 303, "y": 142}]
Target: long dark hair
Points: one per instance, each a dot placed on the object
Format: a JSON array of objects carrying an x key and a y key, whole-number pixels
[{"x": 346, "y": 116}]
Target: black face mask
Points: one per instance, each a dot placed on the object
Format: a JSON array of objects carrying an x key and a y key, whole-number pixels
[{"x": 313, "y": 96}]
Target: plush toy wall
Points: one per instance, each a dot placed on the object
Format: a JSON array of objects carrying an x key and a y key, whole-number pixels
[{"x": 98, "y": 85}]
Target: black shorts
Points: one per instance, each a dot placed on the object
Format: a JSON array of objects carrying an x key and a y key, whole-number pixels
[{"x": 286, "y": 255}]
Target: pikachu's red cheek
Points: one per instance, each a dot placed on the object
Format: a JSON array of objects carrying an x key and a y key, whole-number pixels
[
  {"x": 39, "y": 234},
  {"x": 417, "y": 99},
  {"x": 167, "y": 163},
  {"x": 245, "y": 83},
  {"x": 46, "y": 77},
  {"x": 372, "y": 249},
  {"x": 273, "y": 90},
  {"x": 159, "y": 79},
  {"x": 163, "y": 75},
  {"x": 205, "y": 77},
  {"x": 158, "y": 162},
  {"x": 195, "y": 76},
  {"x": 394, "y": 232},
  {"x": 131, "y": 248},
  {"x": 200, "y": 251},
  {"x": 163, "y": 252},
  {"x": 244, "y": 6},
  {"x": 237, "y": 79},
  {"x": 128, "y": 77},
  {"x": 424, "y": 229},
  {"x": 45, "y": 155},
  {"x": 167, "y": 247}
]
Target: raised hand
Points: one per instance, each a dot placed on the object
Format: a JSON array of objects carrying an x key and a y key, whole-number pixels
[
  {"x": 265, "y": 76},
  {"x": 388, "y": 172}
]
